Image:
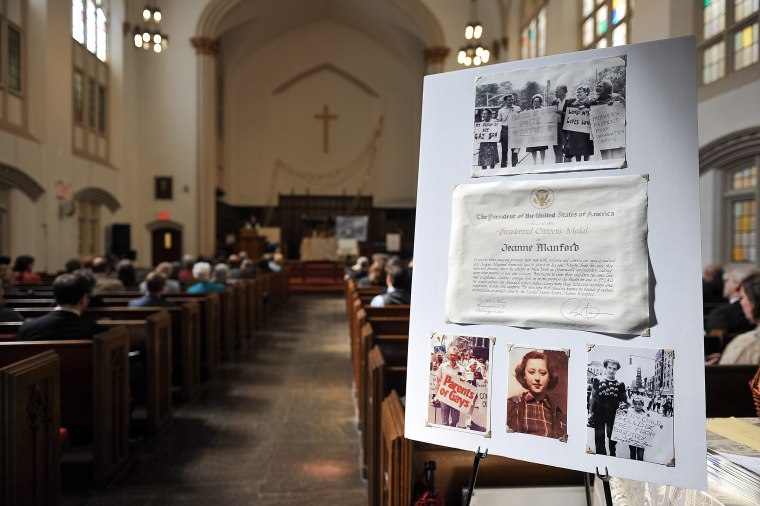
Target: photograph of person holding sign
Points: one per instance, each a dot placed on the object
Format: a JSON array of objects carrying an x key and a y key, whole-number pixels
[
  {"x": 535, "y": 112},
  {"x": 459, "y": 382},
  {"x": 630, "y": 403},
  {"x": 540, "y": 407},
  {"x": 488, "y": 155}
]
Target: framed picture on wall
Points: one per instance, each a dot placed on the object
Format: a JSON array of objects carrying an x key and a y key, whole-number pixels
[{"x": 163, "y": 189}]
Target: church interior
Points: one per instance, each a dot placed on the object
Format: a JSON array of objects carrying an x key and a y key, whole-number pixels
[{"x": 218, "y": 130}]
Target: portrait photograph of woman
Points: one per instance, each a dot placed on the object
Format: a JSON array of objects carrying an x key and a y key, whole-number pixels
[{"x": 537, "y": 392}]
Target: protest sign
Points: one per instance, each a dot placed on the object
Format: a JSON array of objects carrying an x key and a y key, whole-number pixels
[
  {"x": 456, "y": 392},
  {"x": 636, "y": 429},
  {"x": 608, "y": 126},
  {"x": 577, "y": 120},
  {"x": 487, "y": 131},
  {"x": 535, "y": 127}
]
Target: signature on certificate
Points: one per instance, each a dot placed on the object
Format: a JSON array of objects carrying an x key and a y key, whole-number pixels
[
  {"x": 490, "y": 306},
  {"x": 577, "y": 309}
]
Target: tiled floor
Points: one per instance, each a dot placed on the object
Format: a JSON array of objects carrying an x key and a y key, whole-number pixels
[{"x": 277, "y": 427}]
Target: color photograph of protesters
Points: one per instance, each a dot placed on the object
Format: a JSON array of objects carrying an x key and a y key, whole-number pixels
[
  {"x": 629, "y": 398},
  {"x": 576, "y": 109},
  {"x": 459, "y": 387},
  {"x": 537, "y": 392}
]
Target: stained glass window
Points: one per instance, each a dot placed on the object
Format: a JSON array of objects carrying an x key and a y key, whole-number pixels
[
  {"x": 78, "y": 96},
  {"x": 602, "y": 43},
  {"x": 746, "y": 48},
  {"x": 619, "y": 35},
  {"x": 77, "y": 20},
  {"x": 91, "y": 39},
  {"x": 714, "y": 62},
  {"x": 744, "y": 8},
  {"x": 14, "y": 58},
  {"x": 745, "y": 178},
  {"x": 743, "y": 214},
  {"x": 588, "y": 32},
  {"x": 588, "y": 6},
  {"x": 601, "y": 20},
  {"x": 714, "y": 17},
  {"x": 541, "y": 32},
  {"x": 525, "y": 44},
  {"x": 618, "y": 11},
  {"x": 89, "y": 26}
]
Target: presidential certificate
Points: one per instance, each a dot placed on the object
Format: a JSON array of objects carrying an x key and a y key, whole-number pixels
[{"x": 566, "y": 253}]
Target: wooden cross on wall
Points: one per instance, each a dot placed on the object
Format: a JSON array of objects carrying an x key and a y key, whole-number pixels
[{"x": 326, "y": 117}]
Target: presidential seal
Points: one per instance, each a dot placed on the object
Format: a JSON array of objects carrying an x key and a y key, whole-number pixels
[{"x": 542, "y": 197}]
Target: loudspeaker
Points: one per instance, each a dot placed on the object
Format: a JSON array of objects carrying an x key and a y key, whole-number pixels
[{"x": 120, "y": 242}]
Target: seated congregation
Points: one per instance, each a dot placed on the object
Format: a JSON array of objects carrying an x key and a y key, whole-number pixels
[{"x": 94, "y": 359}]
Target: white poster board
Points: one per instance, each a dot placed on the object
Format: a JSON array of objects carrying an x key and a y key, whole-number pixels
[{"x": 661, "y": 141}]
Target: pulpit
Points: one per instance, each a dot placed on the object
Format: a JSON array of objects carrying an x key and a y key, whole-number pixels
[{"x": 251, "y": 242}]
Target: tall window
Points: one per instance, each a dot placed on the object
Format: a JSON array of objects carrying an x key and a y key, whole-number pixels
[
  {"x": 89, "y": 30},
  {"x": 13, "y": 86},
  {"x": 741, "y": 205},
  {"x": 4, "y": 228},
  {"x": 730, "y": 32},
  {"x": 88, "y": 215},
  {"x": 534, "y": 36},
  {"x": 605, "y": 23},
  {"x": 89, "y": 26}
]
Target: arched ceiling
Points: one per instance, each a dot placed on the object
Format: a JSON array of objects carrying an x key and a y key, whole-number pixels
[{"x": 398, "y": 25}]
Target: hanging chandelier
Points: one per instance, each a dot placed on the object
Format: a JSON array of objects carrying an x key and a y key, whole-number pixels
[
  {"x": 149, "y": 36},
  {"x": 473, "y": 53}
]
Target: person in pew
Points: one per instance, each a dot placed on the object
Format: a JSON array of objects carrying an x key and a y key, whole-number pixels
[
  {"x": 7, "y": 279},
  {"x": 744, "y": 349},
  {"x": 72, "y": 294},
  {"x": 7, "y": 314},
  {"x": 24, "y": 271},
  {"x": 221, "y": 273},
  {"x": 730, "y": 317},
  {"x": 397, "y": 280},
  {"x": 95, "y": 300},
  {"x": 375, "y": 276},
  {"x": 154, "y": 283},
  {"x": 171, "y": 286},
  {"x": 104, "y": 284},
  {"x": 246, "y": 270},
  {"x": 202, "y": 273},
  {"x": 359, "y": 270},
  {"x": 125, "y": 272},
  {"x": 186, "y": 272},
  {"x": 71, "y": 265},
  {"x": 712, "y": 284}
]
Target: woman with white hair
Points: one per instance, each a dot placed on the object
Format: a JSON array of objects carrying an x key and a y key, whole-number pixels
[{"x": 202, "y": 273}]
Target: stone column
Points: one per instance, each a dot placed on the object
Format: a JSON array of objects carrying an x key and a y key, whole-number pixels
[
  {"x": 434, "y": 59},
  {"x": 206, "y": 49}
]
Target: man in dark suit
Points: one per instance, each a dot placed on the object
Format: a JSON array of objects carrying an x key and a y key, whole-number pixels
[
  {"x": 398, "y": 288},
  {"x": 72, "y": 294},
  {"x": 729, "y": 317},
  {"x": 154, "y": 284}
]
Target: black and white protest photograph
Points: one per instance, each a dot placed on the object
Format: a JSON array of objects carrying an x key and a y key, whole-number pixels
[
  {"x": 630, "y": 403},
  {"x": 459, "y": 382},
  {"x": 537, "y": 392},
  {"x": 551, "y": 119}
]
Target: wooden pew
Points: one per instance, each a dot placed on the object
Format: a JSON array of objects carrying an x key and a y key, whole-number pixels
[
  {"x": 29, "y": 443},
  {"x": 383, "y": 377},
  {"x": 393, "y": 347},
  {"x": 403, "y": 465},
  {"x": 727, "y": 391},
  {"x": 153, "y": 336},
  {"x": 210, "y": 326},
  {"x": 94, "y": 390},
  {"x": 186, "y": 338}
]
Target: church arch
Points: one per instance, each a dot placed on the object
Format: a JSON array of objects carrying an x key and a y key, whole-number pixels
[
  {"x": 97, "y": 196},
  {"x": 15, "y": 178},
  {"x": 730, "y": 149},
  {"x": 326, "y": 67},
  {"x": 161, "y": 224}
]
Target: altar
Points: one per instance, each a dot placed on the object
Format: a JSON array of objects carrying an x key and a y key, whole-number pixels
[{"x": 319, "y": 248}]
